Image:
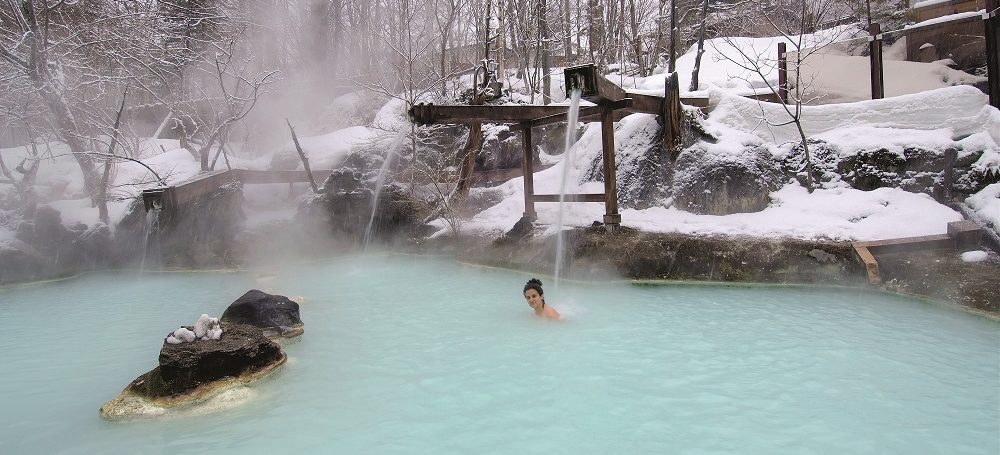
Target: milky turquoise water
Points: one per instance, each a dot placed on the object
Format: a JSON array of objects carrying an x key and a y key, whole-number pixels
[{"x": 426, "y": 356}]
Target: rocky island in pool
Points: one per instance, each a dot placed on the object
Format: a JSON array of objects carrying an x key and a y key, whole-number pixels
[{"x": 199, "y": 362}]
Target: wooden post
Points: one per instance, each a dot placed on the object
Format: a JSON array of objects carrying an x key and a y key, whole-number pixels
[
  {"x": 782, "y": 73},
  {"x": 469, "y": 153},
  {"x": 948, "y": 179},
  {"x": 991, "y": 22},
  {"x": 529, "y": 178},
  {"x": 875, "y": 54},
  {"x": 612, "y": 219},
  {"x": 672, "y": 134}
]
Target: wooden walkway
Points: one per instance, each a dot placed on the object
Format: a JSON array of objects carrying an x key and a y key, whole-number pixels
[
  {"x": 172, "y": 197},
  {"x": 961, "y": 234}
]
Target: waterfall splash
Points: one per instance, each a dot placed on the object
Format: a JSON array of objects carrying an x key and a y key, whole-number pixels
[
  {"x": 150, "y": 230},
  {"x": 393, "y": 151},
  {"x": 571, "y": 126}
]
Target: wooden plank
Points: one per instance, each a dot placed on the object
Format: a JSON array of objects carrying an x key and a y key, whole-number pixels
[
  {"x": 871, "y": 265},
  {"x": 645, "y": 104},
  {"x": 429, "y": 113},
  {"x": 585, "y": 197},
  {"x": 586, "y": 114},
  {"x": 966, "y": 233},
  {"x": 700, "y": 102},
  {"x": 200, "y": 185},
  {"x": 607, "y": 90},
  {"x": 926, "y": 242}
]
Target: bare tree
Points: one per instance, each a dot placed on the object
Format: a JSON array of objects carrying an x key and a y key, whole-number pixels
[{"x": 791, "y": 20}]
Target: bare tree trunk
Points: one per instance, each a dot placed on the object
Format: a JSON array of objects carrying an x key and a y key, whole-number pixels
[
  {"x": 636, "y": 38},
  {"x": 567, "y": 32},
  {"x": 701, "y": 48},
  {"x": 673, "y": 35},
  {"x": 659, "y": 47},
  {"x": 68, "y": 131},
  {"x": 102, "y": 198},
  {"x": 543, "y": 26},
  {"x": 501, "y": 38},
  {"x": 302, "y": 156}
]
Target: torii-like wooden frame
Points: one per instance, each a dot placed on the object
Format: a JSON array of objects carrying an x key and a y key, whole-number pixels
[{"x": 612, "y": 103}]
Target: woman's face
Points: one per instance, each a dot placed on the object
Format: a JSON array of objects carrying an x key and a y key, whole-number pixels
[{"x": 534, "y": 298}]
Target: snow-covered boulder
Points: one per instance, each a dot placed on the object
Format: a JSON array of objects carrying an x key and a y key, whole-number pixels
[{"x": 711, "y": 183}]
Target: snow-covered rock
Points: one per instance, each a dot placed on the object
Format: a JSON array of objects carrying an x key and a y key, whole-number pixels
[{"x": 722, "y": 184}]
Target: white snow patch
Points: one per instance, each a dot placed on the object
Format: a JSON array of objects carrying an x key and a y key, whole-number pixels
[
  {"x": 986, "y": 203},
  {"x": 975, "y": 256}
]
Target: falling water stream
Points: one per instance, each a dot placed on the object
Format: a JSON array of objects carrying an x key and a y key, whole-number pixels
[
  {"x": 571, "y": 125},
  {"x": 393, "y": 151},
  {"x": 150, "y": 229}
]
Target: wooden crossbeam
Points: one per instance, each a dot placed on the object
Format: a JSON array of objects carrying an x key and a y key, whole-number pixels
[
  {"x": 586, "y": 197},
  {"x": 635, "y": 103},
  {"x": 586, "y": 113},
  {"x": 172, "y": 197},
  {"x": 963, "y": 233}
]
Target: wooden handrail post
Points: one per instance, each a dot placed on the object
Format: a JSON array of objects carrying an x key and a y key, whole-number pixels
[
  {"x": 782, "y": 73},
  {"x": 991, "y": 22},
  {"x": 875, "y": 55},
  {"x": 529, "y": 179},
  {"x": 612, "y": 219}
]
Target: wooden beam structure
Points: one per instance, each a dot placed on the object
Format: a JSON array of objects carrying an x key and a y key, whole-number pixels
[{"x": 611, "y": 104}]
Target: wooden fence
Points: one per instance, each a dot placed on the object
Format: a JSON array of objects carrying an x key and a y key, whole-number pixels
[{"x": 970, "y": 40}]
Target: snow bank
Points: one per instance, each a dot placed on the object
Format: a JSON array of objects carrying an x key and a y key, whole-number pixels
[
  {"x": 959, "y": 110},
  {"x": 986, "y": 203}
]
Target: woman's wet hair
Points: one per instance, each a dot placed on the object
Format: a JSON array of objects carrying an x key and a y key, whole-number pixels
[{"x": 535, "y": 284}]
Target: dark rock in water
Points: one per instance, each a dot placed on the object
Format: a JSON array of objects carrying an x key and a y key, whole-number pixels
[
  {"x": 192, "y": 372},
  {"x": 275, "y": 314},
  {"x": 722, "y": 184},
  {"x": 183, "y": 367}
]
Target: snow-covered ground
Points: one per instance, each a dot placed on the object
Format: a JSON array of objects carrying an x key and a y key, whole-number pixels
[{"x": 942, "y": 116}]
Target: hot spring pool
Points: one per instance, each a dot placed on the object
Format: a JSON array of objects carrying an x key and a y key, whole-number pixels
[{"x": 424, "y": 356}]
